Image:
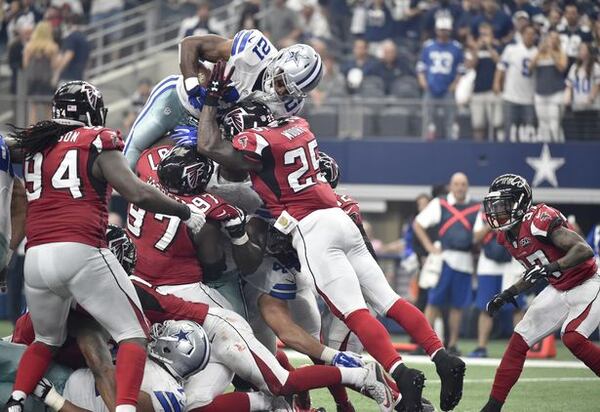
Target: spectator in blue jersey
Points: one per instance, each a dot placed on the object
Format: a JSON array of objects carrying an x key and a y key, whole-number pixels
[
  {"x": 500, "y": 21},
  {"x": 455, "y": 214},
  {"x": 486, "y": 108},
  {"x": 572, "y": 33},
  {"x": 449, "y": 9},
  {"x": 438, "y": 71}
]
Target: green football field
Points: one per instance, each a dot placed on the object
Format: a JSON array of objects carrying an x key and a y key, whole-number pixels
[{"x": 559, "y": 385}]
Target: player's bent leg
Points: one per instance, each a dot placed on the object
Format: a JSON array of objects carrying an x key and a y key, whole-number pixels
[
  {"x": 202, "y": 388},
  {"x": 198, "y": 293}
]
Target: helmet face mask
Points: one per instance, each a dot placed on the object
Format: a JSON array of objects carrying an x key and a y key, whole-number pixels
[
  {"x": 507, "y": 202},
  {"x": 243, "y": 116},
  {"x": 182, "y": 347}
]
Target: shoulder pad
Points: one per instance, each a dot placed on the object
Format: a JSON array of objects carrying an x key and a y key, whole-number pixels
[
  {"x": 251, "y": 47},
  {"x": 545, "y": 219},
  {"x": 107, "y": 139}
]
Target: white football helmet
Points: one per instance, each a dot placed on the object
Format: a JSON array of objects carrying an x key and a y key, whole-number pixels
[
  {"x": 295, "y": 71},
  {"x": 181, "y": 346}
]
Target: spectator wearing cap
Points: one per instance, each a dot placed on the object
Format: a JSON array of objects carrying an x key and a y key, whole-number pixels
[
  {"x": 281, "y": 24},
  {"x": 447, "y": 9},
  {"x": 581, "y": 94},
  {"x": 572, "y": 33},
  {"x": 549, "y": 65},
  {"x": 500, "y": 21},
  {"x": 200, "y": 24},
  {"x": 438, "y": 70},
  {"x": 526, "y": 6},
  {"x": 390, "y": 66},
  {"x": 360, "y": 65},
  {"x": 514, "y": 81},
  {"x": 520, "y": 20},
  {"x": 455, "y": 214},
  {"x": 75, "y": 51},
  {"x": 483, "y": 56}
]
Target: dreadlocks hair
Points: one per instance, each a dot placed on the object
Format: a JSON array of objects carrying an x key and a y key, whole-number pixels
[{"x": 42, "y": 135}]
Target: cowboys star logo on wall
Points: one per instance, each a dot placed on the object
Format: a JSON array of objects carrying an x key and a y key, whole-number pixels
[
  {"x": 193, "y": 173},
  {"x": 92, "y": 94}
]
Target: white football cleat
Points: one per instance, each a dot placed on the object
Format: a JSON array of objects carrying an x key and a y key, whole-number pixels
[{"x": 375, "y": 386}]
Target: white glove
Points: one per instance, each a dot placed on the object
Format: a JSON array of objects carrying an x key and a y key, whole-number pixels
[
  {"x": 46, "y": 392},
  {"x": 196, "y": 220}
]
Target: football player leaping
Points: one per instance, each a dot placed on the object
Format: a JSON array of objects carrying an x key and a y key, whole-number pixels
[
  {"x": 281, "y": 79},
  {"x": 282, "y": 161},
  {"x": 541, "y": 239}
]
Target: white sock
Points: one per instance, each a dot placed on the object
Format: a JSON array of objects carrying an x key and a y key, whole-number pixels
[
  {"x": 353, "y": 376},
  {"x": 18, "y": 395},
  {"x": 259, "y": 401},
  {"x": 125, "y": 408}
]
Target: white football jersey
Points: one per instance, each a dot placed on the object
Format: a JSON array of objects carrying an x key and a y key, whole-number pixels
[
  {"x": 166, "y": 393},
  {"x": 519, "y": 85},
  {"x": 6, "y": 188},
  {"x": 251, "y": 53}
]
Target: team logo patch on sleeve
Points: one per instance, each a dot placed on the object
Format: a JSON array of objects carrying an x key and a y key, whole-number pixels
[{"x": 243, "y": 142}]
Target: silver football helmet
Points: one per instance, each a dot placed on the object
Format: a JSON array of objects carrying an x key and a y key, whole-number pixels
[
  {"x": 295, "y": 71},
  {"x": 182, "y": 346}
]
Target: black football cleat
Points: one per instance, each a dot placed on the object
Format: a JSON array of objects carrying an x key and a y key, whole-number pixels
[
  {"x": 14, "y": 405},
  {"x": 425, "y": 404},
  {"x": 451, "y": 370},
  {"x": 492, "y": 406},
  {"x": 410, "y": 384}
]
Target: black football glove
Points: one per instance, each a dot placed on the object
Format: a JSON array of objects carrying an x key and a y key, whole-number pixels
[
  {"x": 540, "y": 272},
  {"x": 494, "y": 305},
  {"x": 218, "y": 85}
]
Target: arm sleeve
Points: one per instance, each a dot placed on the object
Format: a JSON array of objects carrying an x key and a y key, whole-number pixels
[{"x": 431, "y": 215}]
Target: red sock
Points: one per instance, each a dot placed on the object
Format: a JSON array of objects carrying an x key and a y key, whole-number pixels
[
  {"x": 510, "y": 367},
  {"x": 414, "y": 322},
  {"x": 310, "y": 377},
  {"x": 233, "y": 401},
  {"x": 584, "y": 349},
  {"x": 374, "y": 337},
  {"x": 129, "y": 372},
  {"x": 32, "y": 367},
  {"x": 283, "y": 360}
]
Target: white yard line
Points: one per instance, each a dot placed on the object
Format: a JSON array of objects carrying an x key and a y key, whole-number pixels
[
  {"x": 411, "y": 359},
  {"x": 490, "y": 380}
]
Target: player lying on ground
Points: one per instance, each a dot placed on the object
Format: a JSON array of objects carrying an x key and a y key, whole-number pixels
[
  {"x": 281, "y": 157},
  {"x": 72, "y": 161},
  {"x": 282, "y": 79},
  {"x": 542, "y": 240}
]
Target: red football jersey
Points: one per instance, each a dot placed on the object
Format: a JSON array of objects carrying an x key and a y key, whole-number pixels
[
  {"x": 534, "y": 248},
  {"x": 290, "y": 178},
  {"x": 350, "y": 206},
  {"x": 166, "y": 251},
  {"x": 66, "y": 203}
]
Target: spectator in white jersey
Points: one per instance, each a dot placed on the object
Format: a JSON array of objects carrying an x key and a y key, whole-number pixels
[
  {"x": 581, "y": 93},
  {"x": 513, "y": 79},
  {"x": 548, "y": 66}
]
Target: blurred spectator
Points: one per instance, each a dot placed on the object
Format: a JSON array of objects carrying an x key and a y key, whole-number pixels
[
  {"x": 75, "y": 6},
  {"x": 54, "y": 16},
  {"x": 484, "y": 55},
  {"x": 581, "y": 93},
  {"x": 596, "y": 32},
  {"x": 21, "y": 12},
  {"x": 15, "y": 54},
  {"x": 379, "y": 24},
  {"x": 313, "y": 22},
  {"x": 438, "y": 71},
  {"x": 281, "y": 24},
  {"x": 494, "y": 261},
  {"x": 448, "y": 9},
  {"x": 332, "y": 83},
  {"x": 103, "y": 9},
  {"x": 500, "y": 21},
  {"x": 520, "y": 20},
  {"x": 513, "y": 79},
  {"x": 138, "y": 100},
  {"x": 75, "y": 51},
  {"x": 201, "y": 23},
  {"x": 470, "y": 10},
  {"x": 455, "y": 214},
  {"x": 390, "y": 67},
  {"x": 526, "y": 6},
  {"x": 248, "y": 15},
  {"x": 549, "y": 65},
  {"x": 554, "y": 18},
  {"x": 421, "y": 202},
  {"x": 360, "y": 65},
  {"x": 572, "y": 34},
  {"x": 40, "y": 58}
]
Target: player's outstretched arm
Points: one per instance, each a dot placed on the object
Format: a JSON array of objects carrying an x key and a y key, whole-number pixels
[
  {"x": 112, "y": 167},
  {"x": 207, "y": 47},
  {"x": 578, "y": 251}
]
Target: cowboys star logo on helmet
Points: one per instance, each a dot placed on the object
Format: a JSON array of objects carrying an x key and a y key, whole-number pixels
[{"x": 193, "y": 173}]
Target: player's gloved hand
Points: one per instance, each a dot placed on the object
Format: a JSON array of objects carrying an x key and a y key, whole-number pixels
[
  {"x": 236, "y": 228},
  {"x": 348, "y": 359},
  {"x": 196, "y": 220},
  {"x": 218, "y": 85},
  {"x": 46, "y": 392},
  {"x": 196, "y": 92},
  {"x": 540, "y": 272},
  {"x": 185, "y": 135},
  {"x": 494, "y": 305}
]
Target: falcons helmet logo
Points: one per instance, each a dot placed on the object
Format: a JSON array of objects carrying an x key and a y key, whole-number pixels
[
  {"x": 117, "y": 246},
  {"x": 193, "y": 174},
  {"x": 92, "y": 94}
]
